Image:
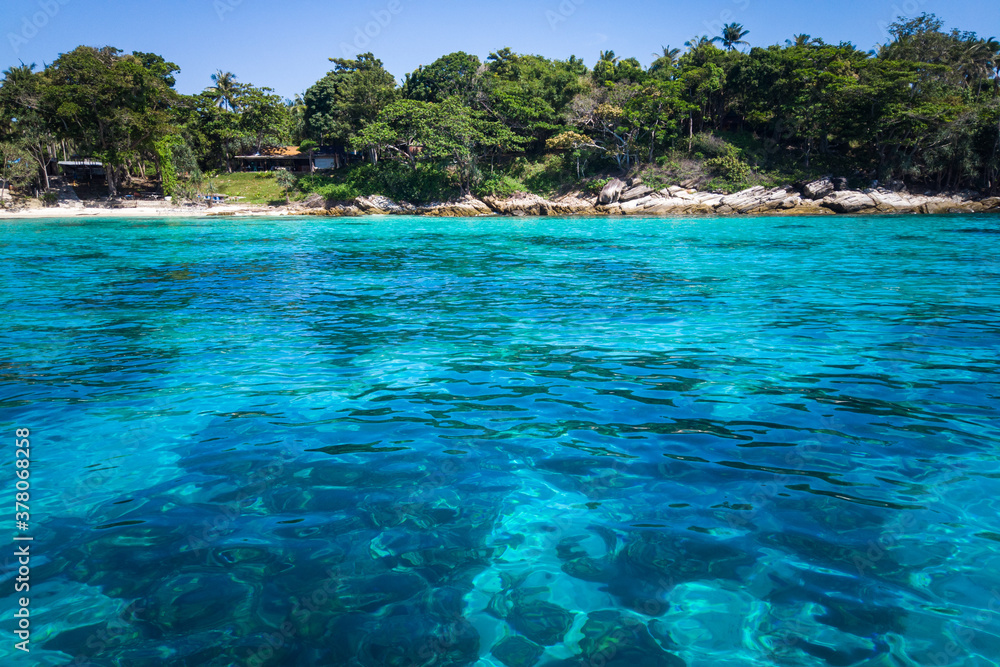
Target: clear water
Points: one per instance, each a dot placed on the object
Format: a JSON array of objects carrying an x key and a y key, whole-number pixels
[{"x": 407, "y": 441}]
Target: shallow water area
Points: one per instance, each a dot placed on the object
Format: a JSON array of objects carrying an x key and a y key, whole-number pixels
[{"x": 493, "y": 441}]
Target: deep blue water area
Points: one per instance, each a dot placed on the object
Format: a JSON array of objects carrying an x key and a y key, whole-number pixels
[{"x": 567, "y": 442}]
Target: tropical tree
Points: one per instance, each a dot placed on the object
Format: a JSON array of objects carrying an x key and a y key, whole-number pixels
[
  {"x": 456, "y": 74},
  {"x": 347, "y": 98},
  {"x": 109, "y": 102},
  {"x": 15, "y": 168},
  {"x": 224, "y": 89},
  {"x": 20, "y": 101},
  {"x": 803, "y": 40},
  {"x": 666, "y": 60},
  {"x": 447, "y": 132},
  {"x": 286, "y": 181},
  {"x": 732, "y": 36}
]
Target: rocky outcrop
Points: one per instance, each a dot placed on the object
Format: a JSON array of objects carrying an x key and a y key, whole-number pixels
[
  {"x": 467, "y": 206},
  {"x": 314, "y": 201},
  {"x": 635, "y": 192},
  {"x": 633, "y": 198},
  {"x": 525, "y": 204},
  {"x": 379, "y": 205},
  {"x": 611, "y": 192},
  {"x": 818, "y": 189},
  {"x": 848, "y": 201}
]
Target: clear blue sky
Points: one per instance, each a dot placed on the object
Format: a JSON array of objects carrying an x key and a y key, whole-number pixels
[{"x": 286, "y": 46}]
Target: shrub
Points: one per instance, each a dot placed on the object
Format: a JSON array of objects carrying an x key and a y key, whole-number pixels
[
  {"x": 729, "y": 166},
  {"x": 596, "y": 186},
  {"x": 709, "y": 145},
  {"x": 498, "y": 186}
]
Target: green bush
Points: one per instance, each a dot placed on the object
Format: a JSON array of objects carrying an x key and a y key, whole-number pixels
[
  {"x": 337, "y": 192},
  {"x": 49, "y": 198},
  {"x": 596, "y": 186},
  {"x": 395, "y": 180},
  {"x": 729, "y": 166},
  {"x": 709, "y": 145},
  {"x": 498, "y": 186}
]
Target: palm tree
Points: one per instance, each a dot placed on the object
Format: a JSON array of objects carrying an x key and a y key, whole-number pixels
[
  {"x": 608, "y": 56},
  {"x": 224, "y": 90},
  {"x": 666, "y": 59},
  {"x": 732, "y": 36},
  {"x": 19, "y": 73},
  {"x": 803, "y": 40},
  {"x": 697, "y": 42}
]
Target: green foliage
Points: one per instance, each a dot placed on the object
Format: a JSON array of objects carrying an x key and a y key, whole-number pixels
[
  {"x": 109, "y": 101},
  {"x": 446, "y": 134},
  {"x": 498, "y": 186},
  {"x": 730, "y": 166},
  {"x": 595, "y": 186},
  {"x": 285, "y": 181},
  {"x": 418, "y": 184},
  {"x": 168, "y": 173},
  {"x": 347, "y": 98},
  {"x": 15, "y": 166},
  {"x": 453, "y": 75}
]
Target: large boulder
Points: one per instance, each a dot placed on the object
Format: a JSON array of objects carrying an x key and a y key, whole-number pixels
[
  {"x": 990, "y": 204},
  {"x": 638, "y": 205},
  {"x": 611, "y": 192},
  {"x": 754, "y": 200},
  {"x": 895, "y": 202},
  {"x": 314, "y": 200},
  {"x": 848, "y": 201},
  {"x": 527, "y": 204},
  {"x": 467, "y": 206},
  {"x": 379, "y": 205},
  {"x": 818, "y": 189},
  {"x": 635, "y": 192}
]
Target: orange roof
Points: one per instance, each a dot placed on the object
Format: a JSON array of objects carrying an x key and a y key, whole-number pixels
[{"x": 283, "y": 151}]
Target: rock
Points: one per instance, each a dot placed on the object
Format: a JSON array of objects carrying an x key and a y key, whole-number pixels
[
  {"x": 613, "y": 639},
  {"x": 517, "y": 652},
  {"x": 754, "y": 200},
  {"x": 990, "y": 204},
  {"x": 542, "y": 622},
  {"x": 379, "y": 205},
  {"x": 848, "y": 201},
  {"x": 635, "y": 192},
  {"x": 611, "y": 191},
  {"x": 574, "y": 204},
  {"x": 314, "y": 201},
  {"x": 805, "y": 207},
  {"x": 818, "y": 189},
  {"x": 940, "y": 207},
  {"x": 636, "y": 205},
  {"x": 524, "y": 204},
  {"x": 467, "y": 206},
  {"x": 839, "y": 183}
]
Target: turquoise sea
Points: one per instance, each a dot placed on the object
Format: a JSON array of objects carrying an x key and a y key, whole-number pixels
[{"x": 570, "y": 442}]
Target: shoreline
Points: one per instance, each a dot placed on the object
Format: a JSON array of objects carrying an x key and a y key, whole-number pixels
[{"x": 619, "y": 199}]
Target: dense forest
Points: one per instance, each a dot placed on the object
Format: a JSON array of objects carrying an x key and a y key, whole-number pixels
[{"x": 921, "y": 111}]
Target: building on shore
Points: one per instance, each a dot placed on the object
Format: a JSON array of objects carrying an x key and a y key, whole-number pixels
[{"x": 290, "y": 158}]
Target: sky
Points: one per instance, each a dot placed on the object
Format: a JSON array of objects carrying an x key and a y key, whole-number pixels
[{"x": 287, "y": 46}]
